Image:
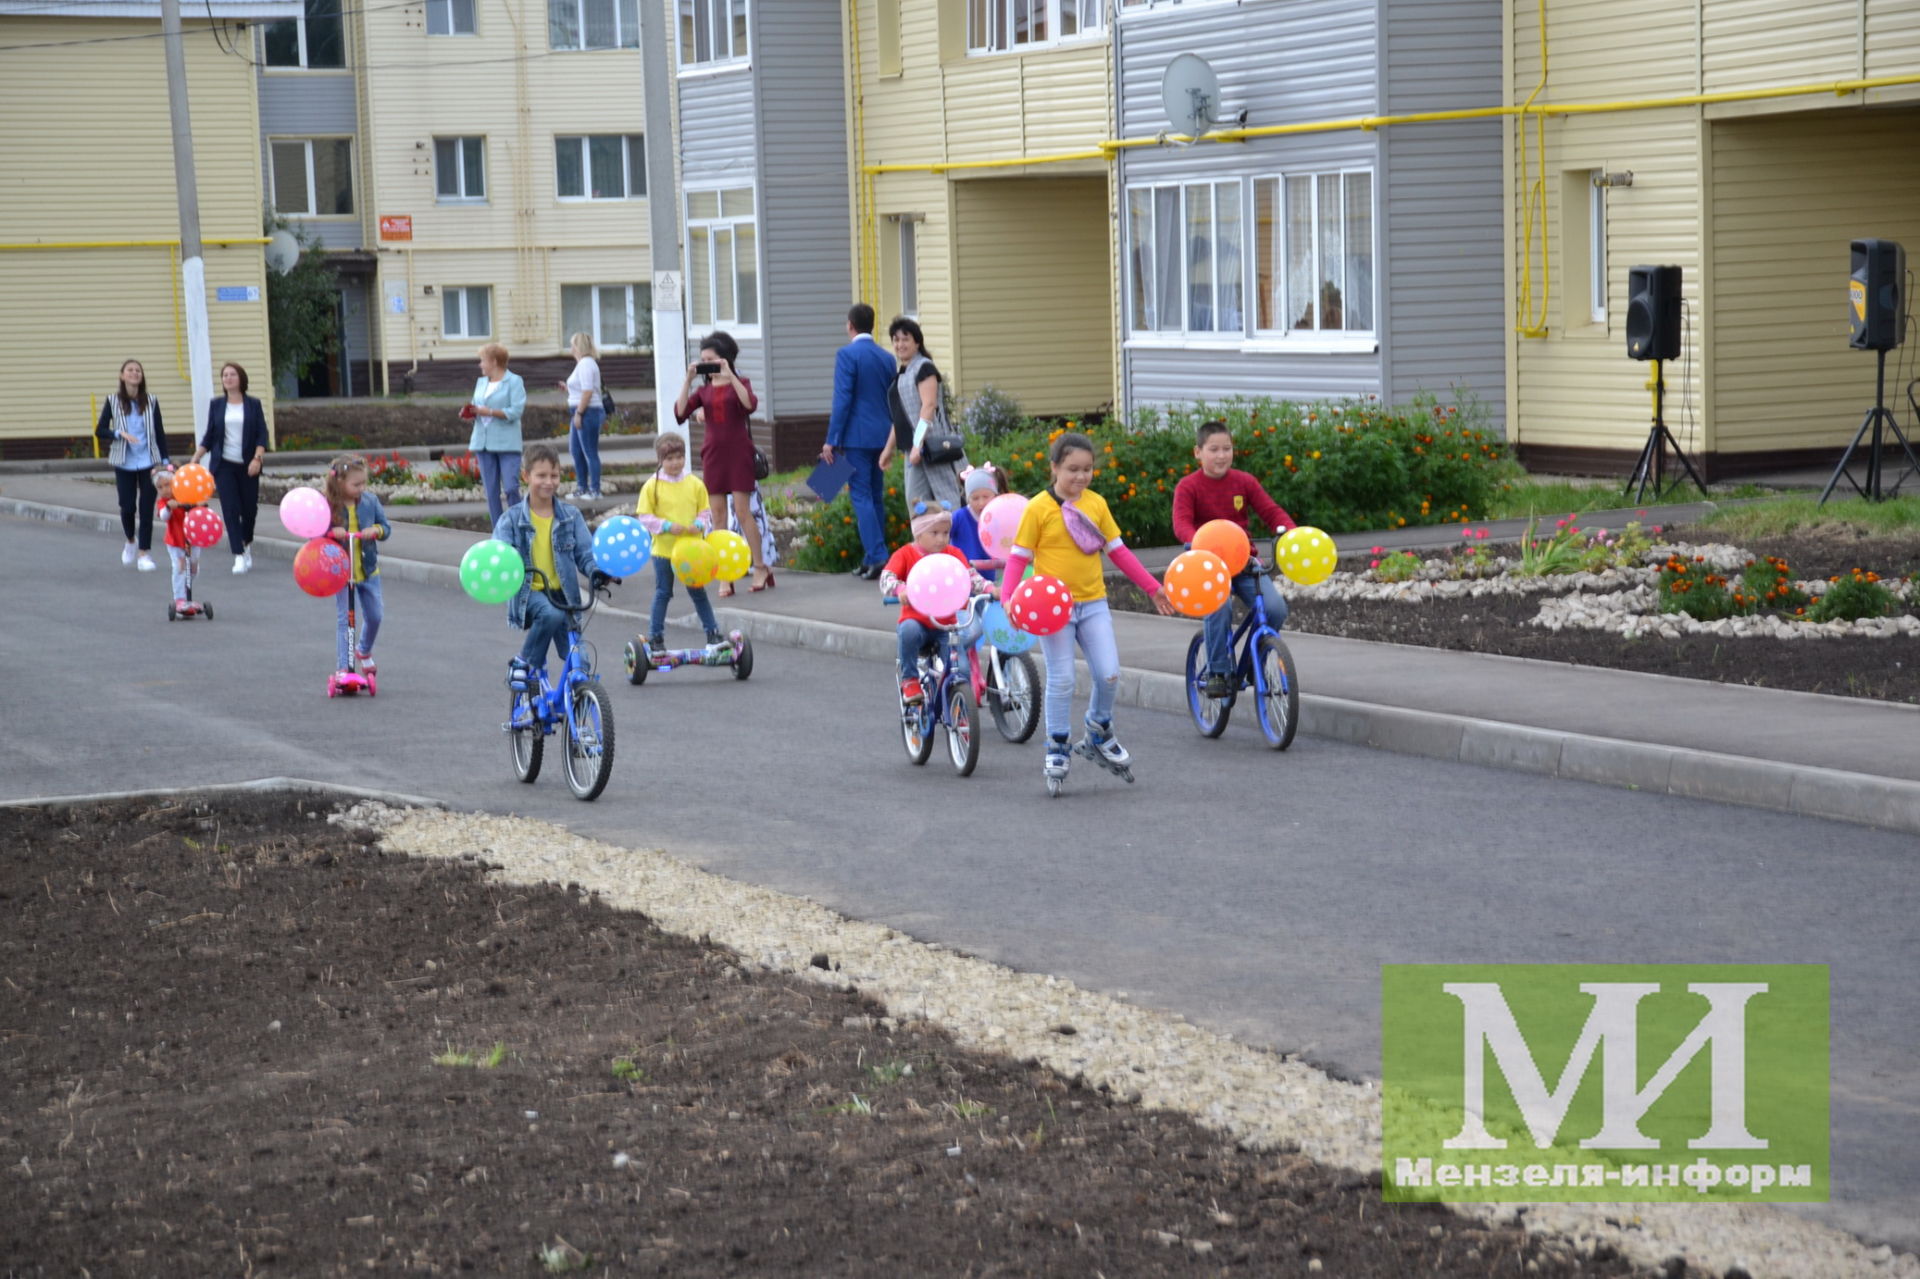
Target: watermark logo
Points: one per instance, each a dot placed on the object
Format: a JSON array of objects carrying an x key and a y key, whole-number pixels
[{"x": 1604, "y": 1082}]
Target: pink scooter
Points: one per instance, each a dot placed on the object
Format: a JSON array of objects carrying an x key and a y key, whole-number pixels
[{"x": 354, "y": 679}]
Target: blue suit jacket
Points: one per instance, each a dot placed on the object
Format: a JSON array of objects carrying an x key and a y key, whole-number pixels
[{"x": 863, "y": 373}]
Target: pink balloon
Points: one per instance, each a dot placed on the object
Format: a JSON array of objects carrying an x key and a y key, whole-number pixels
[
  {"x": 1040, "y": 605},
  {"x": 204, "y": 526},
  {"x": 938, "y": 585},
  {"x": 321, "y": 567},
  {"x": 306, "y": 513},
  {"x": 999, "y": 522}
]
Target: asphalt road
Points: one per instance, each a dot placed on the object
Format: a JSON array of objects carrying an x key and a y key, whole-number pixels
[{"x": 1255, "y": 893}]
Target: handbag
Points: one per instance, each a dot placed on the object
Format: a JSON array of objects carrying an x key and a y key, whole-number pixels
[
  {"x": 940, "y": 446},
  {"x": 606, "y": 402},
  {"x": 761, "y": 467}
]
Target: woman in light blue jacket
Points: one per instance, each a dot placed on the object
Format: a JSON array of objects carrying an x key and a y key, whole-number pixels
[{"x": 499, "y": 398}]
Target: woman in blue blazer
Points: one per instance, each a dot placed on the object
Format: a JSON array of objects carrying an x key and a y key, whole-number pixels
[
  {"x": 235, "y": 446},
  {"x": 499, "y": 398}
]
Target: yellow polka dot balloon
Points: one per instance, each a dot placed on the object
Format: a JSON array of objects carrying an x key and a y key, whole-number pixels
[
  {"x": 1305, "y": 555},
  {"x": 735, "y": 556},
  {"x": 694, "y": 561}
]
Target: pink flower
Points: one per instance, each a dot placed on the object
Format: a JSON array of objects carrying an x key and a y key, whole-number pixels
[
  {"x": 1559, "y": 523},
  {"x": 1374, "y": 563},
  {"x": 1378, "y": 550},
  {"x": 1466, "y": 532},
  {"x": 1483, "y": 533},
  {"x": 1641, "y": 514},
  {"x": 1656, "y": 528}
]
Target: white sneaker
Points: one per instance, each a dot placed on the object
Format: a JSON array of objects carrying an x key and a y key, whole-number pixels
[
  {"x": 247, "y": 555},
  {"x": 127, "y": 553},
  {"x": 146, "y": 564},
  {"x": 239, "y": 564}
]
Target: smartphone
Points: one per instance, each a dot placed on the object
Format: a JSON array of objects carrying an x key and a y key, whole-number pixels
[
  {"x": 708, "y": 367},
  {"x": 466, "y": 411}
]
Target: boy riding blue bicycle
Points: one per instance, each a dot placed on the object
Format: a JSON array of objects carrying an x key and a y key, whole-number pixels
[
  {"x": 1219, "y": 492},
  {"x": 554, "y": 542}
]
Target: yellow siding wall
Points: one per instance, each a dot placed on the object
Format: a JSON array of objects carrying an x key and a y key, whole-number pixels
[
  {"x": 1034, "y": 310},
  {"x": 944, "y": 107},
  {"x": 1784, "y": 376},
  {"x": 524, "y": 241},
  {"x": 1751, "y": 44},
  {"x": 97, "y": 165}
]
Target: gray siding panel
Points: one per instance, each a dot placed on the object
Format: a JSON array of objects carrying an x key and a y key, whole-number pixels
[
  {"x": 716, "y": 128},
  {"x": 1441, "y": 203},
  {"x": 1159, "y": 376},
  {"x": 314, "y": 106},
  {"x": 806, "y": 227}
]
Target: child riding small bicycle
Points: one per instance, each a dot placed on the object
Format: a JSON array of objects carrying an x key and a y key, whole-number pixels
[
  {"x": 1219, "y": 492},
  {"x": 556, "y": 547},
  {"x": 932, "y": 530}
]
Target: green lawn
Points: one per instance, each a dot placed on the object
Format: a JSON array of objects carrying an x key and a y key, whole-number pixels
[
  {"x": 1897, "y": 517},
  {"x": 1524, "y": 496}
]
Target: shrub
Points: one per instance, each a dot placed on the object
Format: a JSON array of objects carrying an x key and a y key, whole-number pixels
[
  {"x": 388, "y": 469},
  {"x": 1690, "y": 587},
  {"x": 1850, "y": 597},
  {"x": 1396, "y": 566},
  {"x": 991, "y": 416}
]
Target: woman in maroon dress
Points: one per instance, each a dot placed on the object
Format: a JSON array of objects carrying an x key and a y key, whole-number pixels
[{"x": 725, "y": 401}]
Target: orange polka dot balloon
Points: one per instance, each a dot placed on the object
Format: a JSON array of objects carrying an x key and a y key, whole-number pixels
[
  {"x": 192, "y": 484},
  {"x": 1197, "y": 583},
  {"x": 1227, "y": 540}
]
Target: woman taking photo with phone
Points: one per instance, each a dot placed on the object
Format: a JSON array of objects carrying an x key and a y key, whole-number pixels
[{"x": 726, "y": 402}]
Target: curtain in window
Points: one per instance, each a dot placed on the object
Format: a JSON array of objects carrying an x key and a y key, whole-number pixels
[
  {"x": 1266, "y": 240},
  {"x": 1140, "y": 258},
  {"x": 1199, "y": 232},
  {"x": 1168, "y": 255},
  {"x": 576, "y": 311},
  {"x": 1359, "y": 251},
  {"x": 1332, "y": 280},
  {"x": 290, "y": 192},
  {"x": 1300, "y": 299},
  {"x": 629, "y": 24},
  {"x": 475, "y": 164},
  {"x": 747, "y": 267},
  {"x": 600, "y": 24},
  {"x": 605, "y": 153},
  {"x": 570, "y": 178},
  {"x": 700, "y": 274},
  {"x": 1228, "y": 258},
  {"x": 563, "y": 24},
  {"x": 479, "y": 312},
  {"x": 614, "y": 330},
  {"x": 333, "y": 175}
]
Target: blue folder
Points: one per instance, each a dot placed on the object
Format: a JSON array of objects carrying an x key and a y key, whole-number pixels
[{"x": 829, "y": 478}]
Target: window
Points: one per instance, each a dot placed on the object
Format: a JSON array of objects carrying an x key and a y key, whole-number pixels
[
  {"x": 1597, "y": 247},
  {"x": 617, "y": 315},
  {"x": 723, "y": 284},
  {"x": 312, "y": 177},
  {"x": 316, "y": 41},
  {"x": 886, "y": 36},
  {"x": 995, "y": 26},
  {"x": 460, "y": 168},
  {"x": 593, "y": 24},
  {"x": 466, "y": 312},
  {"x": 909, "y": 277},
  {"x": 712, "y": 31},
  {"x": 601, "y": 166},
  {"x": 449, "y": 17},
  {"x": 1314, "y": 259},
  {"x": 1186, "y": 263}
]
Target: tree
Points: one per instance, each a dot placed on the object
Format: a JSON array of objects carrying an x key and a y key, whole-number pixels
[{"x": 302, "y": 307}]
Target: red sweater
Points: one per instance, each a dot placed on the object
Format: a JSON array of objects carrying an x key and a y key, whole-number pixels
[
  {"x": 176, "y": 535},
  {"x": 902, "y": 563},
  {"x": 1197, "y": 499}
]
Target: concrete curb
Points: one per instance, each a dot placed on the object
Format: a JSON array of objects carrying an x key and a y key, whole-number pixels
[
  {"x": 1804, "y": 790},
  {"x": 259, "y": 784}
]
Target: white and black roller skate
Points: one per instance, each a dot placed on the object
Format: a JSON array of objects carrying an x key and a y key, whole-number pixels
[
  {"x": 1059, "y": 756},
  {"x": 1100, "y": 746}
]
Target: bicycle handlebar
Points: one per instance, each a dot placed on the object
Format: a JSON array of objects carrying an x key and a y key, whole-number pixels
[
  {"x": 598, "y": 587},
  {"x": 970, "y": 612}
]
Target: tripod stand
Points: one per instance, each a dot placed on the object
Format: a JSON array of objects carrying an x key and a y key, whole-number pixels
[
  {"x": 1876, "y": 416},
  {"x": 1651, "y": 467}
]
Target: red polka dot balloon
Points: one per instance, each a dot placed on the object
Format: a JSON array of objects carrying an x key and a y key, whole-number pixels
[
  {"x": 1040, "y": 605},
  {"x": 204, "y": 527},
  {"x": 321, "y": 568}
]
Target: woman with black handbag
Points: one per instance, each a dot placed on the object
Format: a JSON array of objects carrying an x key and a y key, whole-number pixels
[{"x": 936, "y": 454}]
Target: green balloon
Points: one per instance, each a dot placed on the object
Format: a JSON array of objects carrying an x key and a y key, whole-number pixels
[{"x": 492, "y": 571}]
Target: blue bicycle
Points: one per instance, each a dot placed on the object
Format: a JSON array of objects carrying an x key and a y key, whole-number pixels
[
  {"x": 577, "y": 705},
  {"x": 946, "y": 696},
  {"x": 1262, "y": 663}
]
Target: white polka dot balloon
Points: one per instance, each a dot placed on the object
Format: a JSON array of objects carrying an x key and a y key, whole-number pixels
[
  {"x": 1041, "y": 605},
  {"x": 492, "y": 571},
  {"x": 1305, "y": 555},
  {"x": 938, "y": 585}
]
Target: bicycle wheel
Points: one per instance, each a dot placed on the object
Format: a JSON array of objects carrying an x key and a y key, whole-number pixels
[
  {"x": 589, "y": 740},
  {"x": 1278, "y": 708},
  {"x": 916, "y": 729},
  {"x": 963, "y": 737},
  {"x": 528, "y": 743},
  {"x": 743, "y": 659},
  {"x": 1016, "y": 703},
  {"x": 1209, "y": 713}
]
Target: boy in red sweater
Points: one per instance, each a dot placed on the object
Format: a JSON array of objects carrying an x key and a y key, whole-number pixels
[{"x": 1218, "y": 492}]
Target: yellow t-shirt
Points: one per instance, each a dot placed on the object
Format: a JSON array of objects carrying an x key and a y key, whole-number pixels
[
  {"x": 678, "y": 501},
  {"x": 1043, "y": 530},
  {"x": 543, "y": 552}
]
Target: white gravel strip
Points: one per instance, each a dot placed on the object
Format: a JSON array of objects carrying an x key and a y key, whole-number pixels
[{"x": 1158, "y": 1059}]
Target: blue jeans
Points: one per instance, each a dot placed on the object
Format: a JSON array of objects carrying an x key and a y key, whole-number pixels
[
  {"x": 584, "y": 441},
  {"x": 1218, "y": 625},
  {"x": 867, "y": 489},
  {"x": 499, "y": 480},
  {"x": 917, "y": 638},
  {"x": 663, "y": 580},
  {"x": 1092, "y": 625},
  {"x": 546, "y": 625},
  {"x": 367, "y": 612}
]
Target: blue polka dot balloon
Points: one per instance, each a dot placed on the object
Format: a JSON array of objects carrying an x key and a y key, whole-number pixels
[
  {"x": 1002, "y": 633},
  {"x": 622, "y": 546}
]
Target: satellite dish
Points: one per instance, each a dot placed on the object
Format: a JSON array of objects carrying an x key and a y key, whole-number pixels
[
  {"x": 1191, "y": 92},
  {"x": 283, "y": 250}
]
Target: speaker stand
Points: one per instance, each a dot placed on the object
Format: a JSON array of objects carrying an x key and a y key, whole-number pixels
[
  {"x": 1651, "y": 468},
  {"x": 1877, "y": 417}
]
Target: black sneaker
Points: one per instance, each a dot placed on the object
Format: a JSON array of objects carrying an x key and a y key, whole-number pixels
[
  {"x": 715, "y": 637},
  {"x": 1218, "y": 687},
  {"x": 656, "y": 643}
]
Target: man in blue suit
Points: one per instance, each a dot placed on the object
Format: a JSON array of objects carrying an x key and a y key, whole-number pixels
[{"x": 861, "y": 426}]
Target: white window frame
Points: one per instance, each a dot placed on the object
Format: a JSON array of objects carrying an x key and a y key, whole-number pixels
[
  {"x": 463, "y": 291},
  {"x": 1283, "y": 307},
  {"x": 1183, "y": 333},
  {"x": 447, "y": 7},
  {"x": 685, "y": 10},
  {"x": 639, "y": 314},
  {"x": 311, "y": 212},
  {"x": 1597, "y": 248},
  {"x": 622, "y": 37},
  {"x": 633, "y": 155},
  {"x": 993, "y": 25},
  {"x": 300, "y": 41},
  {"x": 729, "y": 224},
  {"x": 460, "y": 143}
]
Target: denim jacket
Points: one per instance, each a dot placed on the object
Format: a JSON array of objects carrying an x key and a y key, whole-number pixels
[
  {"x": 572, "y": 549},
  {"x": 367, "y": 513}
]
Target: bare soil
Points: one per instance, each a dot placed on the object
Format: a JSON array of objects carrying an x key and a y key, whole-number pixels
[
  {"x": 219, "y": 1042},
  {"x": 1882, "y": 669}
]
